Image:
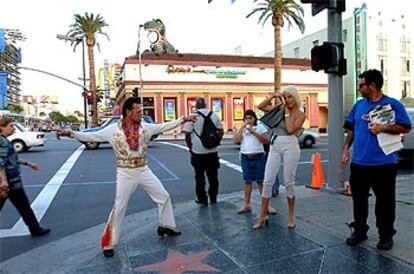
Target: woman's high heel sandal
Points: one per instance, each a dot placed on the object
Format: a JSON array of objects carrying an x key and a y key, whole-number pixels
[
  {"x": 165, "y": 231},
  {"x": 261, "y": 223}
]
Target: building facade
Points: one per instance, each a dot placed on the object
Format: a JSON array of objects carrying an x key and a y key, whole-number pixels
[
  {"x": 372, "y": 39},
  {"x": 10, "y": 57},
  {"x": 231, "y": 84}
]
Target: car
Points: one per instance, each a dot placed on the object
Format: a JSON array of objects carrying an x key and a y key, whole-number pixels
[
  {"x": 23, "y": 139},
  {"x": 308, "y": 138},
  {"x": 111, "y": 120},
  {"x": 406, "y": 154}
]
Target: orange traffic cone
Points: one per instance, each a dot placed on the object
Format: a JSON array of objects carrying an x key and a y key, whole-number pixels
[{"x": 317, "y": 173}]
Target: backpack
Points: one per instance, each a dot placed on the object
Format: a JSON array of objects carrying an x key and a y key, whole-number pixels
[{"x": 210, "y": 136}]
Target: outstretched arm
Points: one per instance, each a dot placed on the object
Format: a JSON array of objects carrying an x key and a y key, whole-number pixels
[
  {"x": 32, "y": 165},
  {"x": 104, "y": 135},
  {"x": 154, "y": 129}
]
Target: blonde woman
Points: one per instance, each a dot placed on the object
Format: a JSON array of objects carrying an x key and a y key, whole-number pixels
[{"x": 284, "y": 147}]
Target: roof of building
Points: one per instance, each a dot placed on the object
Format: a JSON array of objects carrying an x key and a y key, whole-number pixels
[{"x": 216, "y": 60}]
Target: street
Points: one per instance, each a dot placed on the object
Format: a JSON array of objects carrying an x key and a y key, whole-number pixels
[{"x": 81, "y": 194}]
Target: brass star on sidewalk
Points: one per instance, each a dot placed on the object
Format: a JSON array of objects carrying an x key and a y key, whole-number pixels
[{"x": 177, "y": 262}]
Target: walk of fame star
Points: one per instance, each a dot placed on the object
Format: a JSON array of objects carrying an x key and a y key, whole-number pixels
[{"x": 177, "y": 262}]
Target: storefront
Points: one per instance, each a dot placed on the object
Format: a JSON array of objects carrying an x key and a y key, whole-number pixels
[{"x": 231, "y": 84}]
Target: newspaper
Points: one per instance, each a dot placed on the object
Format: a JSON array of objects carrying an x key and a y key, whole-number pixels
[{"x": 385, "y": 115}]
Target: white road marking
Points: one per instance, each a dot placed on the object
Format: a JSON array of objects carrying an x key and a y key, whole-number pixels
[{"x": 45, "y": 197}]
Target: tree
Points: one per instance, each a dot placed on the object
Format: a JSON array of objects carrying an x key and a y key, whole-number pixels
[
  {"x": 86, "y": 28},
  {"x": 15, "y": 109},
  {"x": 72, "y": 119},
  {"x": 280, "y": 11},
  {"x": 57, "y": 117},
  {"x": 41, "y": 114}
]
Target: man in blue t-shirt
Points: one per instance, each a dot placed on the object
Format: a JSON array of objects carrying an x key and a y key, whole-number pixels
[{"x": 374, "y": 165}]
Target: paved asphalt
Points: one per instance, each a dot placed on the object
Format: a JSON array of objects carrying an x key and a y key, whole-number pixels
[{"x": 81, "y": 207}]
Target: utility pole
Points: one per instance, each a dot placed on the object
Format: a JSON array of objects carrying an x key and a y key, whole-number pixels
[
  {"x": 141, "y": 84},
  {"x": 336, "y": 106},
  {"x": 330, "y": 58}
]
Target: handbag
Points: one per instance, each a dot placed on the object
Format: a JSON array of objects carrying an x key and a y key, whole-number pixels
[{"x": 273, "y": 118}]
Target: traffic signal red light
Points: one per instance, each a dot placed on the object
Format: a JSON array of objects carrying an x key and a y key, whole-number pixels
[{"x": 89, "y": 97}]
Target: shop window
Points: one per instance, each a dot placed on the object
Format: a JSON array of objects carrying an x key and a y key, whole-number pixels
[
  {"x": 170, "y": 109},
  {"x": 191, "y": 105},
  {"x": 148, "y": 102},
  {"x": 217, "y": 107},
  {"x": 238, "y": 109}
]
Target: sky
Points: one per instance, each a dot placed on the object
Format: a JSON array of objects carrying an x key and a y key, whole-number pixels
[{"x": 192, "y": 26}]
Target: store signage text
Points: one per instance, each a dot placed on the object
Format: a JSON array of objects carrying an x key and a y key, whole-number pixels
[{"x": 220, "y": 73}]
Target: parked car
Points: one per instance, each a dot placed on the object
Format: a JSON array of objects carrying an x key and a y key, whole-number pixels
[
  {"x": 406, "y": 154},
  {"x": 308, "y": 138},
  {"x": 23, "y": 139},
  {"x": 113, "y": 119}
]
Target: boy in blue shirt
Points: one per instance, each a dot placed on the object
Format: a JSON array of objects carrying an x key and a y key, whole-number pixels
[{"x": 373, "y": 166}]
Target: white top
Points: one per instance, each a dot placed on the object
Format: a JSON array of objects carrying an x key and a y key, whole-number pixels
[
  {"x": 198, "y": 127},
  {"x": 116, "y": 137},
  {"x": 249, "y": 143}
]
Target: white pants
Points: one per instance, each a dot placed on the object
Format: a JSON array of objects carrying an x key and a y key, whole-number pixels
[
  {"x": 286, "y": 149},
  {"x": 127, "y": 181}
]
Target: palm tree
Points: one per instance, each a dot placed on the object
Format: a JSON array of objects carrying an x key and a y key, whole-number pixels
[
  {"x": 85, "y": 28},
  {"x": 280, "y": 11}
]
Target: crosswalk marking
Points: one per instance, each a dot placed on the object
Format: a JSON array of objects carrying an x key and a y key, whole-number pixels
[{"x": 45, "y": 197}]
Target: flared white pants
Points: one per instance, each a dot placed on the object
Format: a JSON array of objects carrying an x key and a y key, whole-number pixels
[{"x": 127, "y": 181}]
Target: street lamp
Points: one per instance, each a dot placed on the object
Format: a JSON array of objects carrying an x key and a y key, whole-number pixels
[
  {"x": 71, "y": 39},
  {"x": 140, "y": 63}
]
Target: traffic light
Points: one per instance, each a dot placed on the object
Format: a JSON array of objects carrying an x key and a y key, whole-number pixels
[
  {"x": 320, "y": 5},
  {"x": 329, "y": 57},
  {"x": 89, "y": 97}
]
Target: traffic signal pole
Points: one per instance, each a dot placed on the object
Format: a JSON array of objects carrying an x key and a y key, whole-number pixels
[{"x": 335, "y": 108}]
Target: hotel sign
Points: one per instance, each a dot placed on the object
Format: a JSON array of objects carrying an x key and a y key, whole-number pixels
[{"x": 219, "y": 73}]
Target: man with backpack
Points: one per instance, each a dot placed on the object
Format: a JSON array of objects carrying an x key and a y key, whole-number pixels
[{"x": 203, "y": 138}]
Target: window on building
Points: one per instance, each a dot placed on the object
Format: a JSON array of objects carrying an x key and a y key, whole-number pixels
[
  {"x": 296, "y": 52},
  {"x": 191, "y": 105},
  {"x": 405, "y": 89},
  {"x": 217, "y": 107},
  {"x": 149, "y": 107},
  {"x": 405, "y": 45},
  {"x": 385, "y": 87},
  {"x": 382, "y": 43},
  {"x": 382, "y": 65},
  {"x": 238, "y": 109},
  {"x": 170, "y": 109},
  {"x": 405, "y": 65},
  {"x": 148, "y": 102},
  {"x": 344, "y": 35},
  {"x": 315, "y": 43}
]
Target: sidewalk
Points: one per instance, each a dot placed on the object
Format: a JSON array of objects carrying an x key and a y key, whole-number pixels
[{"x": 216, "y": 239}]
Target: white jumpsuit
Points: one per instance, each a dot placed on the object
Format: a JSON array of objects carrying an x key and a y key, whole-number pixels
[{"x": 132, "y": 171}]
